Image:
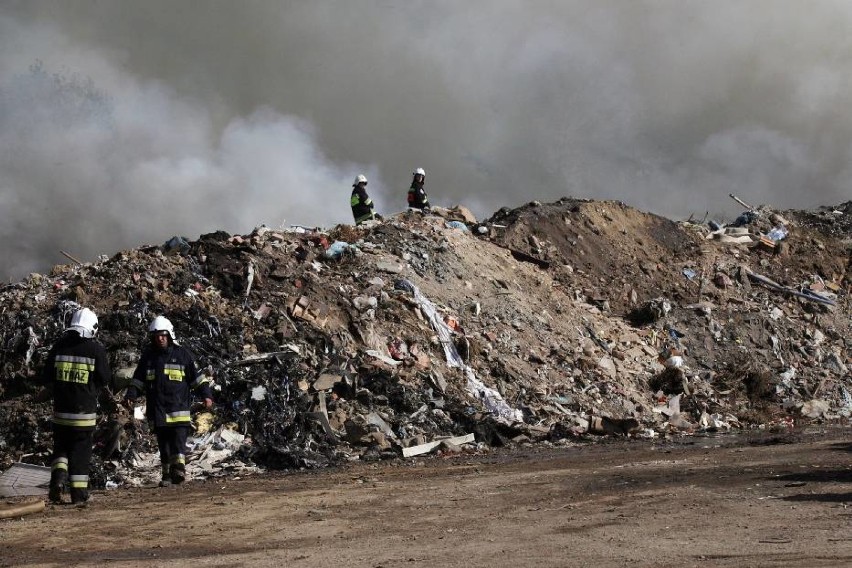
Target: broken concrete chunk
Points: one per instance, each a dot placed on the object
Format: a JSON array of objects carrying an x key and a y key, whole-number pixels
[
  {"x": 389, "y": 267},
  {"x": 374, "y": 419},
  {"x": 815, "y": 409},
  {"x": 607, "y": 365},
  {"x": 363, "y": 303},
  {"x": 834, "y": 363},
  {"x": 464, "y": 213},
  {"x": 326, "y": 381}
]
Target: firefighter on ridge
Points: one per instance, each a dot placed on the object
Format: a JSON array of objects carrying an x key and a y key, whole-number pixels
[
  {"x": 167, "y": 375},
  {"x": 417, "y": 198},
  {"x": 362, "y": 205},
  {"x": 77, "y": 369}
]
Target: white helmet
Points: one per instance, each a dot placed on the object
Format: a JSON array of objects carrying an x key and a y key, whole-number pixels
[
  {"x": 359, "y": 179},
  {"x": 84, "y": 322},
  {"x": 161, "y": 323},
  {"x": 420, "y": 172}
]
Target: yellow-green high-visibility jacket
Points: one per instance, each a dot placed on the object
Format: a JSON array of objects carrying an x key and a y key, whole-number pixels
[
  {"x": 168, "y": 377},
  {"x": 78, "y": 369}
]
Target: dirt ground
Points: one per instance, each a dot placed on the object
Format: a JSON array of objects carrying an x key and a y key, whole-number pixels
[{"x": 771, "y": 500}]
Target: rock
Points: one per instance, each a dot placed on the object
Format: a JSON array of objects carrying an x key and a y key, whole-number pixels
[
  {"x": 834, "y": 363},
  {"x": 389, "y": 267},
  {"x": 326, "y": 381},
  {"x": 815, "y": 409},
  {"x": 374, "y": 419},
  {"x": 356, "y": 428},
  {"x": 607, "y": 365},
  {"x": 613, "y": 426},
  {"x": 376, "y": 439},
  {"x": 364, "y": 303}
]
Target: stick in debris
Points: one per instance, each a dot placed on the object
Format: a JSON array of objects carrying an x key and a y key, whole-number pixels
[
  {"x": 741, "y": 202},
  {"x": 65, "y": 254},
  {"x": 292, "y": 324},
  {"x": 524, "y": 257},
  {"x": 772, "y": 285},
  {"x": 263, "y": 357},
  {"x": 600, "y": 342}
]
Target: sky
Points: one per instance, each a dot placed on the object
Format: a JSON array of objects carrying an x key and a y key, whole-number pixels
[{"x": 123, "y": 123}]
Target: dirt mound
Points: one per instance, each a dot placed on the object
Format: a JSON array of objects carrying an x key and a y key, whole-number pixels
[
  {"x": 613, "y": 252},
  {"x": 605, "y": 249}
]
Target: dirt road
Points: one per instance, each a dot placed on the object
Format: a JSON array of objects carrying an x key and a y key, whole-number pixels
[{"x": 748, "y": 501}]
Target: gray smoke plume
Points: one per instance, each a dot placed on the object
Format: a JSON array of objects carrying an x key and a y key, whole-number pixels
[{"x": 127, "y": 122}]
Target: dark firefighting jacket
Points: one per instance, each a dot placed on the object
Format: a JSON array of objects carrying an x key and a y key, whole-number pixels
[
  {"x": 168, "y": 377},
  {"x": 417, "y": 197},
  {"x": 362, "y": 205},
  {"x": 78, "y": 369}
]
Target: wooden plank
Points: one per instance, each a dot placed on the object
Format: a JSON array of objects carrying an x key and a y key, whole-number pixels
[
  {"x": 321, "y": 416},
  {"x": 429, "y": 446}
]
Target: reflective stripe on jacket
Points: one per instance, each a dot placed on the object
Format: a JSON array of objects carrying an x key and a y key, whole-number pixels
[{"x": 78, "y": 369}]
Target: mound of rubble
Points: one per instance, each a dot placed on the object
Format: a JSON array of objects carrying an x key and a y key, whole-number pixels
[{"x": 544, "y": 323}]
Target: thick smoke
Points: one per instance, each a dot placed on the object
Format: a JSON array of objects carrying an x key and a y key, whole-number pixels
[
  {"x": 179, "y": 118},
  {"x": 98, "y": 162}
]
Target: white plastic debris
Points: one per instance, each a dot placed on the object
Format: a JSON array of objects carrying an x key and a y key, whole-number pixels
[
  {"x": 492, "y": 399},
  {"x": 139, "y": 412},
  {"x": 258, "y": 393}
]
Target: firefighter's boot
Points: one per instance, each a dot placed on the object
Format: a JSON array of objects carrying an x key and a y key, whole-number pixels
[
  {"x": 178, "y": 473},
  {"x": 79, "y": 497},
  {"x": 166, "y": 480},
  {"x": 58, "y": 480}
]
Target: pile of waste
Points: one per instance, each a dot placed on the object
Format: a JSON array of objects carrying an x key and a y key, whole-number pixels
[{"x": 423, "y": 333}]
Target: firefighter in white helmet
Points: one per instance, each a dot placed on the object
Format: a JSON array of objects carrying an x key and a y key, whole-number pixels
[
  {"x": 77, "y": 369},
  {"x": 362, "y": 205},
  {"x": 417, "y": 198},
  {"x": 167, "y": 375}
]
